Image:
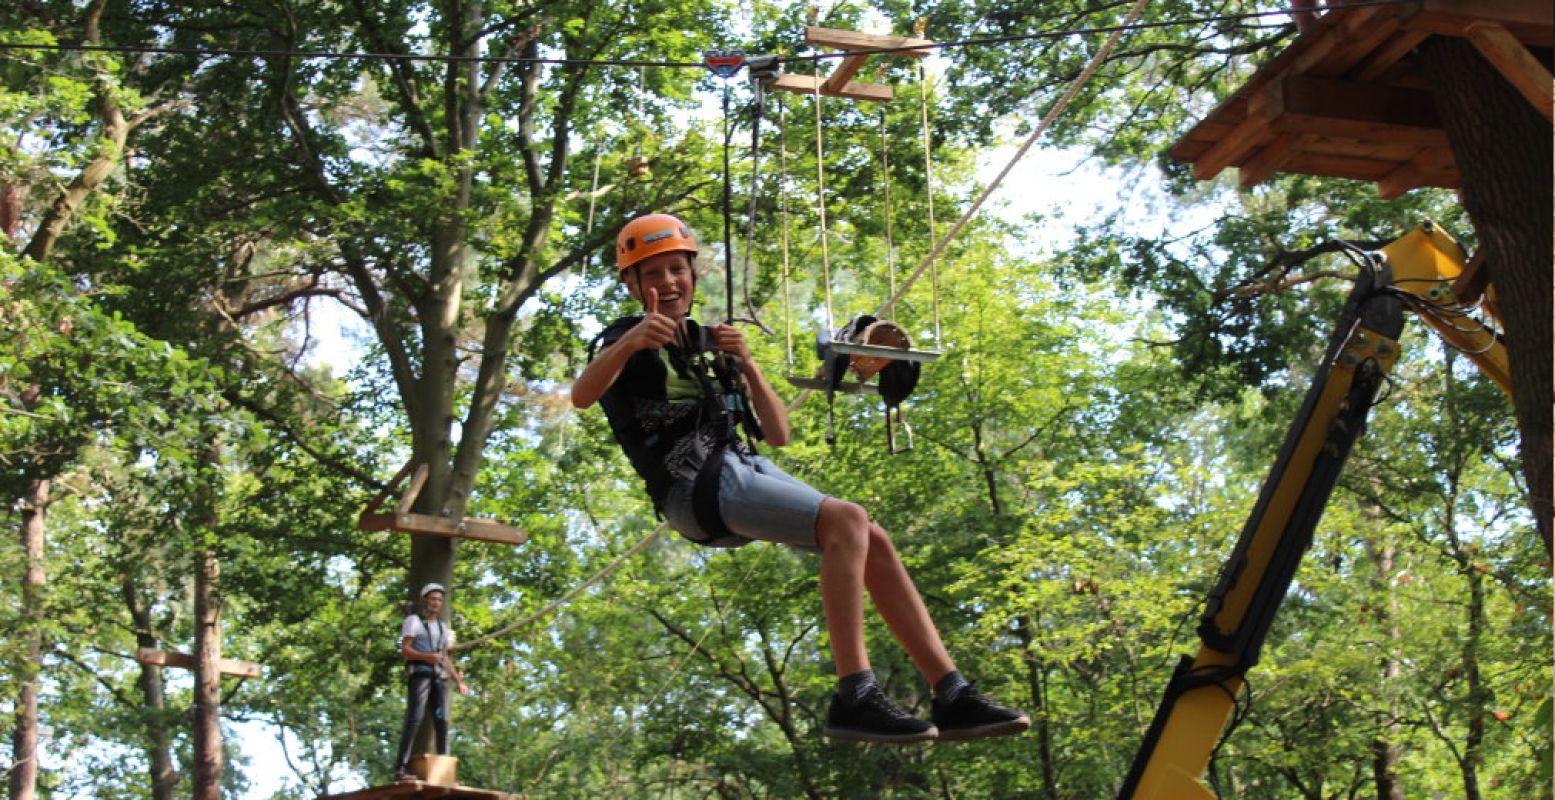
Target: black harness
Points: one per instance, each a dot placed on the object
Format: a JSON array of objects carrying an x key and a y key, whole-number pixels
[{"x": 724, "y": 399}]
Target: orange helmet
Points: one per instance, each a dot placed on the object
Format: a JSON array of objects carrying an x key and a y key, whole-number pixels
[{"x": 651, "y": 235}]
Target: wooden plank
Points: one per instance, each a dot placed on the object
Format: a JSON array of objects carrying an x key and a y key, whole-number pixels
[
  {"x": 852, "y": 90},
  {"x": 1359, "y": 169},
  {"x": 1530, "y": 21},
  {"x": 169, "y": 658},
  {"x": 853, "y": 40},
  {"x": 844, "y": 72},
  {"x": 486, "y": 530},
  {"x": 1516, "y": 64},
  {"x": 1396, "y": 152},
  {"x": 879, "y": 351},
  {"x": 1349, "y": 109}
]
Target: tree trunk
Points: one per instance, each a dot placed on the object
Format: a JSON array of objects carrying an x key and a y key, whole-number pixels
[
  {"x": 159, "y": 739},
  {"x": 1036, "y": 680},
  {"x": 115, "y": 130},
  {"x": 1478, "y": 696},
  {"x": 1502, "y": 147},
  {"x": 1385, "y": 748},
  {"x": 207, "y": 646},
  {"x": 24, "y": 738}
]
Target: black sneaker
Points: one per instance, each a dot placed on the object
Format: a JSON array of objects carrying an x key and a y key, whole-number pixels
[
  {"x": 972, "y": 715},
  {"x": 874, "y": 718},
  {"x": 404, "y": 775}
]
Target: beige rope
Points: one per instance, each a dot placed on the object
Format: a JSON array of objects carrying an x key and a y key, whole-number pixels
[
  {"x": 890, "y": 239},
  {"x": 928, "y": 187},
  {"x": 820, "y": 178},
  {"x": 564, "y": 599},
  {"x": 788, "y": 309}
]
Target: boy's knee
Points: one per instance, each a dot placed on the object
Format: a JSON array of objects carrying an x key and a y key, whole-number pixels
[{"x": 843, "y": 525}]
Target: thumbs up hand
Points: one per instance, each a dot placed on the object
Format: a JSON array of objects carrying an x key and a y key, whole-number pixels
[{"x": 655, "y": 330}]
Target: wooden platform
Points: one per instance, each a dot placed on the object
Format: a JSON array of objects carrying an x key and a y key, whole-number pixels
[
  {"x": 840, "y": 82},
  {"x": 169, "y": 658},
  {"x": 1346, "y": 99},
  {"x": 403, "y": 519},
  {"x": 413, "y": 789}
]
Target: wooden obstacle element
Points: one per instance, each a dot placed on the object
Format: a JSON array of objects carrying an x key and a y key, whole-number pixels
[
  {"x": 1346, "y": 98},
  {"x": 840, "y": 82},
  {"x": 403, "y": 519},
  {"x": 168, "y": 658}
]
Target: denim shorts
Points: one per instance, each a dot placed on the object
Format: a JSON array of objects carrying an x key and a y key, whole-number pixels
[{"x": 759, "y": 502}]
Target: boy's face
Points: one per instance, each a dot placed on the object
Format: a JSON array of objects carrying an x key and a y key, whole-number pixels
[
  {"x": 671, "y": 275},
  {"x": 433, "y": 603}
]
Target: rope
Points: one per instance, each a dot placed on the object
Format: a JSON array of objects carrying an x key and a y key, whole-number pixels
[
  {"x": 820, "y": 179},
  {"x": 788, "y": 310},
  {"x": 588, "y": 227},
  {"x": 890, "y": 241},
  {"x": 928, "y": 188},
  {"x": 1052, "y": 114},
  {"x": 564, "y": 599}
]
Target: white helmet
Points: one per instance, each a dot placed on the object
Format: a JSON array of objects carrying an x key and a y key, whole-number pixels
[{"x": 432, "y": 587}]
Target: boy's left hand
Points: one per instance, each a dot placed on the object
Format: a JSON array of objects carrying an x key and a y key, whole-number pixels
[{"x": 728, "y": 339}]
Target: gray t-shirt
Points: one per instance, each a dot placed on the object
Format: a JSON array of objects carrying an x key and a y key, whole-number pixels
[{"x": 427, "y": 636}]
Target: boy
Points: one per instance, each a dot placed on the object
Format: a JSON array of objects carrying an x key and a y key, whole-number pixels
[
  {"x": 674, "y": 393},
  {"x": 424, "y": 643}
]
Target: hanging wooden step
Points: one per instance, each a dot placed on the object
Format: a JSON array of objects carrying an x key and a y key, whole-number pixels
[
  {"x": 168, "y": 658},
  {"x": 840, "y": 82},
  {"x": 403, "y": 519}
]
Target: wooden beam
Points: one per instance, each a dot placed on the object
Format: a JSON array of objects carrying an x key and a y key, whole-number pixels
[
  {"x": 853, "y": 40},
  {"x": 1365, "y": 111},
  {"x": 1272, "y": 158},
  {"x": 1516, "y": 64},
  {"x": 1531, "y": 21},
  {"x": 852, "y": 90},
  {"x": 417, "y": 483},
  {"x": 1391, "y": 52},
  {"x": 844, "y": 72},
  {"x": 168, "y": 658},
  {"x": 1422, "y": 170},
  {"x": 1232, "y": 147}
]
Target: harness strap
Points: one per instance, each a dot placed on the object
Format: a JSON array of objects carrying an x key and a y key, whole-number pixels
[{"x": 704, "y": 497}]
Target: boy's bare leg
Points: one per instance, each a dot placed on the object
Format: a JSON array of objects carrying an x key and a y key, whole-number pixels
[
  {"x": 896, "y": 598},
  {"x": 842, "y": 531}
]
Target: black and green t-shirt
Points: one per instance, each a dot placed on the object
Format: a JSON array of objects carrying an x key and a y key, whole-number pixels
[{"x": 661, "y": 414}]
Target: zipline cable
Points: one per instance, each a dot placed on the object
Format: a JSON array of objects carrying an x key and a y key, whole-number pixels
[{"x": 622, "y": 62}]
